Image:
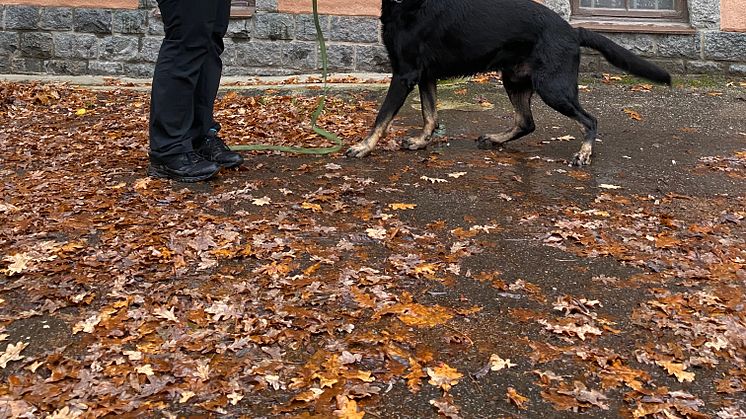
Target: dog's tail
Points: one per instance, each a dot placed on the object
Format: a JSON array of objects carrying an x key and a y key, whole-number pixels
[{"x": 620, "y": 57}]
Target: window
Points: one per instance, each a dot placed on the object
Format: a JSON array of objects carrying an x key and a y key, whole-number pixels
[{"x": 665, "y": 9}]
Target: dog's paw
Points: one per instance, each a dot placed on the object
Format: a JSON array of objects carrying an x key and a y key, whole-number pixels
[
  {"x": 358, "y": 151},
  {"x": 413, "y": 144},
  {"x": 581, "y": 159},
  {"x": 485, "y": 142}
]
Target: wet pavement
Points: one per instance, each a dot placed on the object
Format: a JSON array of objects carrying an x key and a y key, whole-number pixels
[{"x": 644, "y": 251}]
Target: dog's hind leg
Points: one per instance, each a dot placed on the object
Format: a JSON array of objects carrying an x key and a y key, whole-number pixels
[
  {"x": 519, "y": 91},
  {"x": 399, "y": 89},
  {"x": 559, "y": 90},
  {"x": 428, "y": 97}
]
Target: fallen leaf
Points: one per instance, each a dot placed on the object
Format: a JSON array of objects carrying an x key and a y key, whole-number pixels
[
  {"x": 634, "y": 115},
  {"x": 347, "y": 408},
  {"x": 18, "y": 263},
  {"x": 677, "y": 370},
  {"x": 260, "y": 202},
  {"x": 400, "y": 206},
  {"x": 497, "y": 363},
  {"x": 310, "y": 206},
  {"x": 433, "y": 180},
  {"x": 517, "y": 399},
  {"x": 12, "y": 353},
  {"x": 444, "y": 376}
]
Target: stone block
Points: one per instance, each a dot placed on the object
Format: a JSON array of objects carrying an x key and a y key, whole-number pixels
[
  {"x": 373, "y": 58},
  {"x": 5, "y": 62},
  {"x": 138, "y": 70},
  {"x": 75, "y": 45},
  {"x": 258, "y": 54},
  {"x": 27, "y": 65},
  {"x": 561, "y": 7},
  {"x": 640, "y": 44},
  {"x": 149, "y": 48},
  {"x": 274, "y": 26},
  {"x": 56, "y": 19},
  {"x": 93, "y": 21},
  {"x": 239, "y": 29},
  {"x": 66, "y": 67},
  {"x": 266, "y": 5},
  {"x": 739, "y": 69},
  {"x": 119, "y": 48},
  {"x": 673, "y": 66},
  {"x": 105, "y": 68},
  {"x": 703, "y": 67},
  {"x": 704, "y": 14},
  {"x": 130, "y": 21},
  {"x": 36, "y": 44},
  {"x": 678, "y": 46},
  {"x": 155, "y": 25},
  {"x": 8, "y": 43},
  {"x": 21, "y": 17},
  {"x": 305, "y": 29},
  {"x": 299, "y": 55},
  {"x": 354, "y": 29},
  {"x": 341, "y": 57},
  {"x": 726, "y": 46}
]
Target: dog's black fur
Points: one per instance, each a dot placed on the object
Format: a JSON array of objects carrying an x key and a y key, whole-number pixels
[{"x": 533, "y": 47}]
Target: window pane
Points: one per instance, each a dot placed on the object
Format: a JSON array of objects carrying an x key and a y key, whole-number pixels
[
  {"x": 643, "y": 4},
  {"x": 585, "y": 3},
  {"x": 666, "y": 5},
  {"x": 609, "y": 4},
  {"x": 652, "y": 4}
]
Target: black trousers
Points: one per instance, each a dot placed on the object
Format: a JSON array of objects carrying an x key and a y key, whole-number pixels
[{"x": 187, "y": 74}]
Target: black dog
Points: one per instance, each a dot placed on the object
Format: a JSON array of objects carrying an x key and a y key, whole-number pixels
[{"x": 534, "y": 48}]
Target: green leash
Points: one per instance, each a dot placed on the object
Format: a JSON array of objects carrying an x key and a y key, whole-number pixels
[{"x": 316, "y": 113}]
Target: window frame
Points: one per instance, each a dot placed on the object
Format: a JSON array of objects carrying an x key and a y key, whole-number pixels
[
  {"x": 679, "y": 15},
  {"x": 243, "y": 8}
]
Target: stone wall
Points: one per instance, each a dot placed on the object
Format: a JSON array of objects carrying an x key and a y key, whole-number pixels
[{"x": 125, "y": 42}]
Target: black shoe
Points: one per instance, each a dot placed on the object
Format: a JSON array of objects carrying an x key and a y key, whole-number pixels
[
  {"x": 213, "y": 148},
  {"x": 186, "y": 167}
]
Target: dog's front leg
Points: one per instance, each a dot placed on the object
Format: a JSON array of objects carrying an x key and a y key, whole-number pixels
[
  {"x": 428, "y": 97},
  {"x": 399, "y": 89}
]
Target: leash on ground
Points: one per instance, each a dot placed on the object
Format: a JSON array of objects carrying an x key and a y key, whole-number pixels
[{"x": 316, "y": 113}]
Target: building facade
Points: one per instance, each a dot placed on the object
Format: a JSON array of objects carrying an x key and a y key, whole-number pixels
[{"x": 277, "y": 37}]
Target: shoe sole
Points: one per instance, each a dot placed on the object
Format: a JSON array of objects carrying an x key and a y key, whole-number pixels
[{"x": 162, "y": 174}]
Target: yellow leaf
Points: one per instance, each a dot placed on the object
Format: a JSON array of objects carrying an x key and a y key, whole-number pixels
[
  {"x": 518, "y": 399},
  {"x": 414, "y": 314},
  {"x": 444, "y": 376},
  {"x": 310, "y": 206},
  {"x": 185, "y": 396},
  {"x": 400, "y": 207},
  {"x": 677, "y": 370},
  {"x": 81, "y": 112},
  {"x": 12, "y": 353},
  {"x": 633, "y": 114},
  {"x": 145, "y": 369},
  {"x": 347, "y": 408},
  {"x": 497, "y": 363},
  {"x": 18, "y": 263}
]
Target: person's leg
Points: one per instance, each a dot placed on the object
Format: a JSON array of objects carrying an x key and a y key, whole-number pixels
[
  {"x": 188, "y": 26},
  {"x": 211, "y": 71},
  {"x": 208, "y": 144}
]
